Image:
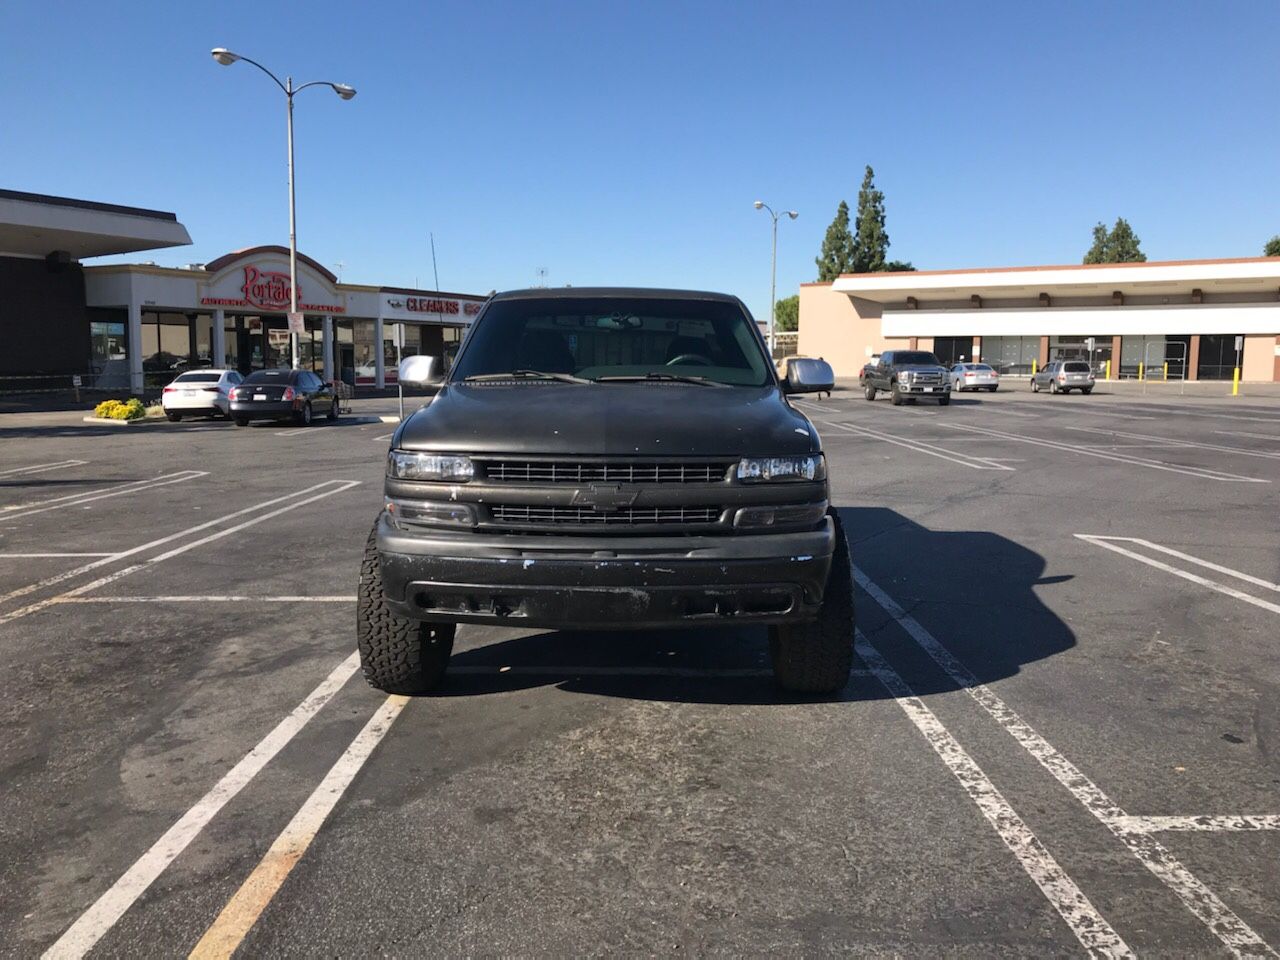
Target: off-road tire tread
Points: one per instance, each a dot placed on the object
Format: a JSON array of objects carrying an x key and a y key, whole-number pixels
[
  {"x": 816, "y": 657},
  {"x": 397, "y": 655}
]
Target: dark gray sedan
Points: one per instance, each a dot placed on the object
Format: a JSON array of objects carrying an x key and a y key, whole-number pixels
[
  {"x": 297, "y": 395},
  {"x": 1063, "y": 376}
]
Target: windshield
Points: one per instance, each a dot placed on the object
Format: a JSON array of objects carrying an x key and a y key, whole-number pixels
[
  {"x": 605, "y": 337},
  {"x": 914, "y": 356}
]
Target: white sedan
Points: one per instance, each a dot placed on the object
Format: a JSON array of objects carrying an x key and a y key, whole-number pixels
[
  {"x": 974, "y": 376},
  {"x": 199, "y": 393}
]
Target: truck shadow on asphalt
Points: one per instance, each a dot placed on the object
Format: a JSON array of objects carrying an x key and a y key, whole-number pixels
[{"x": 977, "y": 592}]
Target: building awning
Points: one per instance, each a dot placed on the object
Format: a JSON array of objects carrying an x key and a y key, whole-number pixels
[
  {"x": 35, "y": 225},
  {"x": 1240, "y": 275}
]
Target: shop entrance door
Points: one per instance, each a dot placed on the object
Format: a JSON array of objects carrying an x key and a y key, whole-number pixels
[{"x": 347, "y": 363}]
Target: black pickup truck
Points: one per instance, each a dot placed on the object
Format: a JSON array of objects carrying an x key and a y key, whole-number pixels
[
  {"x": 907, "y": 375},
  {"x": 606, "y": 459}
]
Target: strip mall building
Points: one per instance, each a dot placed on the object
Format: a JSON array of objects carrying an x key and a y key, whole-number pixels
[
  {"x": 129, "y": 327},
  {"x": 1176, "y": 319}
]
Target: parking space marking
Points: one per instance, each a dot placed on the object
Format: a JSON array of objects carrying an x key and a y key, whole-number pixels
[
  {"x": 35, "y": 556},
  {"x": 1220, "y": 919},
  {"x": 237, "y": 918},
  {"x": 1091, "y": 929},
  {"x": 1243, "y": 433},
  {"x": 285, "y": 598},
  {"x": 1239, "y": 822},
  {"x": 42, "y": 468},
  {"x": 80, "y": 937},
  {"x": 1110, "y": 544},
  {"x": 96, "y": 564},
  {"x": 385, "y": 436},
  {"x": 976, "y": 463},
  {"x": 1082, "y": 411},
  {"x": 1169, "y": 441},
  {"x": 17, "y": 510},
  {"x": 1199, "y": 472}
]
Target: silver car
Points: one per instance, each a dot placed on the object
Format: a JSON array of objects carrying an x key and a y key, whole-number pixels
[
  {"x": 974, "y": 376},
  {"x": 1063, "y": 376}
]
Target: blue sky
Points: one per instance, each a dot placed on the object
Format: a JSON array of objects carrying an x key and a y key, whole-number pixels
[{"x": 624, "y": 143}]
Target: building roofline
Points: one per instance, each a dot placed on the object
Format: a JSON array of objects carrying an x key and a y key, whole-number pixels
[
  {"x": 213, "y": 266},
  {"x": 418, "y": 291},
  {"x": 1065, "y": 266},
  {"x": 51, "y": 201}
]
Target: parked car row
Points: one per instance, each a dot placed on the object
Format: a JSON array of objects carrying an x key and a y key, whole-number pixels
[{"x": 296, "y": 395}]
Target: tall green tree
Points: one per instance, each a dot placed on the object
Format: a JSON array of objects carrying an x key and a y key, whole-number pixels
[
  {"x": 1118, "y": 245},
  {"x": 837, "y": 254},
  {"x": 1272, "y": 249},
  {"x": 870, "y": 238},
  {"x": 786, "y": 314},
  {"x": 899, "y": 266}
]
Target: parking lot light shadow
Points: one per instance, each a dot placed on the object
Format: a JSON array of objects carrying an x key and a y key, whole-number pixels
[{"x": 974, "y": 590}]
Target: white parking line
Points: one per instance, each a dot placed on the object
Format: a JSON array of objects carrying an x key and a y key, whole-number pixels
[
  {"x": 1256, "y": 436},
  {"x": 1169, "y": 441},
  {"x": 1223, "y": 922},
  {"x": 976, "y": 463},
  {"x": 1110, "y": 544},
  {"x": 210, "y": 599},
  {"x": 1094, "y": 933},
  {"x": 96, "y": 564},
  {"x": 111, "y": 906},
  {"x": 42, "y": 468},
  {"x": 385, "y": 436},
  {"x": 1193, "y": 824},
  {"x": 1200, "y": 472},
  {"x": 237, "y": 918},
  {"x": 17, "y": 510},
  {"x": 34, "y": 556}
]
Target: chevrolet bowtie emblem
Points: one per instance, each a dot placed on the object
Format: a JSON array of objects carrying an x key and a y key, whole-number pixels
[{"x": 605, "y": 496}]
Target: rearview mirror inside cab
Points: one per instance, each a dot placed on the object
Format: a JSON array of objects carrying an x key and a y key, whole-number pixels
[
  {"x": 807, "y": 375},
  {"x": 420, "y": 371}
]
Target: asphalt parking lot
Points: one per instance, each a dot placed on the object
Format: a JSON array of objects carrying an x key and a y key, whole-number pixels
[{"x": 1062, "y": 735}]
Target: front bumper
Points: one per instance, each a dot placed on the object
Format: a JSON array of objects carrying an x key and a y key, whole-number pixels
[
  {"x": 604, "y": 583},
  {"x": 924, "y": 389}
]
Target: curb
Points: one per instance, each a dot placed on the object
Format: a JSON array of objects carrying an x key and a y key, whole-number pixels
[{"x": 106, "y": 422}]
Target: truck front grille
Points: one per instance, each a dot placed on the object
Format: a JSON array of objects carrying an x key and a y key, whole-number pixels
[
  {"x": 574, "y": 471},
  {"x": 589, "y": 516},
  {"x": 926, "y": 378}
]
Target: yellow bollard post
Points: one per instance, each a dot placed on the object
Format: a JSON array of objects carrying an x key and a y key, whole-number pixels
[
  {"x": 1108, "y": 375},
  {"x": 1166, "y": 369},
  {"x": 1033, "y": 367},
  {"x": 1140, "y": 369},
  {"x": 1235, "y": 382}
]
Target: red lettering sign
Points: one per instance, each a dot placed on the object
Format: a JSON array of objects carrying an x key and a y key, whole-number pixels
[
  {"x": 432, "y": 305},
  {"x": 266, "y": 289}
]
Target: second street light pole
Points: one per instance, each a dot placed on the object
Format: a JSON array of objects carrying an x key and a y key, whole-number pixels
[{"x": 773, "y": 271}]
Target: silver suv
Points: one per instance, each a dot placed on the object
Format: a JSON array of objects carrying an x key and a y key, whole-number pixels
[{"x": 1063, "y": 376}]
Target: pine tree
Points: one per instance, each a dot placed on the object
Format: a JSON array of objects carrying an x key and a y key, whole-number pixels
[
  {"x": 1120, "y": 245},
  {"x": 872, "y": 242},
  {"x": 837, "y": 254},
  {"x": 1272, "y": 249}
]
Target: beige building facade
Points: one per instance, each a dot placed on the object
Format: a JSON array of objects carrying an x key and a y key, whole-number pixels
[{"x": 1193, "y": 320}]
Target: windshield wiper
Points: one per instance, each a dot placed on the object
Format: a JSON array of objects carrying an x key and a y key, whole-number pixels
[
  {"x": 661, "y": 377},
  {"x": 524, "y": 375}
]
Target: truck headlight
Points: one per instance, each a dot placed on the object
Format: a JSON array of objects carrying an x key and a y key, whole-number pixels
[
  {"x": 405, "y": 465},
  {"x": 768, "y": 469},
  {"x": 428, "y": 513}
]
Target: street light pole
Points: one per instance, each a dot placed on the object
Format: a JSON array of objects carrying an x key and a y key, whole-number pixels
[
  {"x": 225, "y": 57},
  {"x": 773, "y": 271}
]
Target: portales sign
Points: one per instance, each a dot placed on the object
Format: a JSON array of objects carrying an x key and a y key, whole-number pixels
[{"x": 263, "y": 284}]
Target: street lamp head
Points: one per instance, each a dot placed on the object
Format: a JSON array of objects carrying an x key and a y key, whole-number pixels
[
  {"x": 758, "y": 204},
  {"x": 224, "y": 56},
  {"x": 343, "y": 90},
  {"x": 792, "y": 214}
]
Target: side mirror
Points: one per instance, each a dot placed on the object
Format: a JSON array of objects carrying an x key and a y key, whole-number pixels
[
  {"x": 806, "y": 375},
  {"x": 419, "y": 371}
]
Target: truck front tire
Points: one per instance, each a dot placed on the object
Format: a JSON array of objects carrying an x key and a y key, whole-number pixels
[
  {"x": 816, "y": 657},
  {"x": 895, "y": 395},
  {"x": 397, "y": 655}
]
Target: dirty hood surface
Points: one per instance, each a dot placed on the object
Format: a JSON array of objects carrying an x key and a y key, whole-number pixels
[{"x": 617, "y": 419}]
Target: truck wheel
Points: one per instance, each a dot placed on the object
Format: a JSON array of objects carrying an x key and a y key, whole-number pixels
[
  {"x": 869, "y": 392},
  {"x": 397, "y": 655},
  {"x": 816, "y": 657},
  {"x": 895, "y": 395},
  {"x": 944, "y": 401}
]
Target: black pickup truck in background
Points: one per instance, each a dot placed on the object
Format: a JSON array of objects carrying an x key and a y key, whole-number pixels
[{"x": 906, "y": 375}]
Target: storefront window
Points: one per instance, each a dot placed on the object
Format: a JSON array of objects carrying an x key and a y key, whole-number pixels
[
  {"x": 1153, "y": 352},
  {"x": 1217, "y": 356},
  {"x": 363, "y": 355},
  {"x": 1077, "y": 348},
  {"x": 1011, "y": 355},
  {"x": 951, "y": 350}
]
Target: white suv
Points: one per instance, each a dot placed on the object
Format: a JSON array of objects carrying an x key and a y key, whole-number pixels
[{"x": 199, "y": 393}]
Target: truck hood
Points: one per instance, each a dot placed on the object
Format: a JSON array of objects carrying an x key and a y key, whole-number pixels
[
  {"x": 932, "y": 367},
  {"x": 617, "y": 419}
]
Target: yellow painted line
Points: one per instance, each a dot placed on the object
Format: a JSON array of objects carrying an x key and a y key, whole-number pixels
[{"x": 242, "y": 911}]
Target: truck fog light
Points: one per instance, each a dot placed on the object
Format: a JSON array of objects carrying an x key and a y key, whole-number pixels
[
  {"x": 780, "y": 515},
  {"x": 418, "y": 513}
]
